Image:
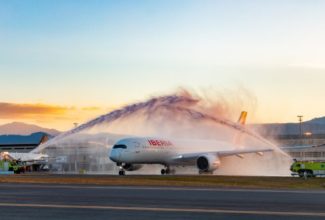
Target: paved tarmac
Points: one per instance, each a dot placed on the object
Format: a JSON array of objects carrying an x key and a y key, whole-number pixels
[{"x": 43, "y": 201}]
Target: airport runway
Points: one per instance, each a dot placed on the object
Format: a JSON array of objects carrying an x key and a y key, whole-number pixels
[{"x": 43, "y": 201}]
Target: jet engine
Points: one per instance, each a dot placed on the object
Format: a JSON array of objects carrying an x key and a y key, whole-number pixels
[
  {"x": 131, "y": 167},
  {"x": 208, "y": 163}
]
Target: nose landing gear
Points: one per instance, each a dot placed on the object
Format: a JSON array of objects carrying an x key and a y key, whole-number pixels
[{"x": 121, "y": 172}]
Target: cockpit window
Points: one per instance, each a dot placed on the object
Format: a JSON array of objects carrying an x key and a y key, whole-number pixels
[{"x": 121, "y": 146}]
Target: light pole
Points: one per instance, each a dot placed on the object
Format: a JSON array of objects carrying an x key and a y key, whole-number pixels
[{"x": 300, "y": 117}]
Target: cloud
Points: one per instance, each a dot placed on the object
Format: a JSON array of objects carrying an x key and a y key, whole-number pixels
[
  {"x": 47, "y": 115},
  {"x": 22, "y": 111},
  {"x": 91, "y": 108},
  {"x": 310, "y": 65}
]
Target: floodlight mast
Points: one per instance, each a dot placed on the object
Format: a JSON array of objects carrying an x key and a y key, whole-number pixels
[{"x": 300, "y": 118}]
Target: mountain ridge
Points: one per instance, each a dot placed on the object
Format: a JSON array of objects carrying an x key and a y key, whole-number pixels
[
  {"x": 20, "y": 128},
  {"x": 315, "y": 125}
]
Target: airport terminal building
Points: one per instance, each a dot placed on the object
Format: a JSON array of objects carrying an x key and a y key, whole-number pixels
[
  {"x": 305, "y": 148},
  {"x": 22, "y": 144}
]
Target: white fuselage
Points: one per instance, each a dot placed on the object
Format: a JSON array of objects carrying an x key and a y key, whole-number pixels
[{"x": 148, "y": 150}]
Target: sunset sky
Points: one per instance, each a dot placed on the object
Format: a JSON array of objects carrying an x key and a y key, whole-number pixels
[{"x": 64, "y": 61}]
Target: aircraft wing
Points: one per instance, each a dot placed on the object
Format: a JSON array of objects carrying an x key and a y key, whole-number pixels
[
  {"x": 239, "y": 153},
  {"x": 244, "y": 151},
  {"x": 27, "y": 157}
]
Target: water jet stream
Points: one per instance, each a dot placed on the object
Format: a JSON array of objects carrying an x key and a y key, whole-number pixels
[{"x": 174, "y": 116}]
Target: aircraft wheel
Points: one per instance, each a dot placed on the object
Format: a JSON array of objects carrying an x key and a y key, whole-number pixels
[
  {"x": 163, "y": 172},
  {"x": 121, "y": 173}
]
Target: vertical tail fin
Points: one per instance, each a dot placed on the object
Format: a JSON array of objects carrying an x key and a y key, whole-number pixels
[
  {"x": 242, "y": 118},
  {"x": 241, "y": 121}
]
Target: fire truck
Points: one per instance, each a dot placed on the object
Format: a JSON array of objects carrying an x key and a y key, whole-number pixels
[{"x": 308, "y": 168}]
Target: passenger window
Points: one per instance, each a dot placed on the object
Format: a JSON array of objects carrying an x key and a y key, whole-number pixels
[{"x": 119, "y": 146}]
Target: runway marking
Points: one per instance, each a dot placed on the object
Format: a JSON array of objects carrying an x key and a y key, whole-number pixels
[
  {"x": 158, "y": 209},
  {"x": 163, "y": 188}
]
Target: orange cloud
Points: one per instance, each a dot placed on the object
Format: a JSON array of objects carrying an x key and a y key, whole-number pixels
[
  {"x": 21, "y": 111},
  {"x": 54, "y": 116},
  {"x": 91, "y": 108}
]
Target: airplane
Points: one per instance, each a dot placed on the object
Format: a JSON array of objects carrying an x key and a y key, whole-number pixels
[
  {"x": 131, "y": 153},
  {"x": 27, "y": 158}
]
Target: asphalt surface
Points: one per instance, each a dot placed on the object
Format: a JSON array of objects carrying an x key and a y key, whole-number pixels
[{"x": 43, "y": 201}]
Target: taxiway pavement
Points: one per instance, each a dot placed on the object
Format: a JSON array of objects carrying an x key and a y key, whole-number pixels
[{"x": 44, "y": 201}]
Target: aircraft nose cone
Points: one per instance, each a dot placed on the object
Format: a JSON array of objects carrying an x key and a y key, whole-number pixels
[{"x": 113, "y": 155}]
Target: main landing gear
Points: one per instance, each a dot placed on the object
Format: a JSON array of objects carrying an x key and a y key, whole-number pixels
[{"x": 167, "y": 171}]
